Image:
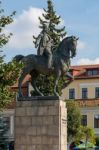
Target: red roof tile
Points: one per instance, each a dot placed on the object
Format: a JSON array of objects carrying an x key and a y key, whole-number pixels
[
  {"x": 80, "y": 67},
  {"x": 82, "y": 70}
]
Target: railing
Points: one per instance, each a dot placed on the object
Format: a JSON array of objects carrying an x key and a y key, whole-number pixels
[{"x": 87, "y": 102}]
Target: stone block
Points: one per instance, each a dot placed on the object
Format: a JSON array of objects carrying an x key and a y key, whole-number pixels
[
  {"x": 53, "y": 110},
  {"x": 47, "y": 120},
  {"x": 20, "y": 130},
  {"x": 31, "y": 130},
  {"x": 53, "y": 130},
  {"x": 17, "y": 121},
  {"x": 23, "y": 147},
  {"x": 42, "y": 111},
  {"x": 56, "y": 120},
  {"x": 39, "y": 121},
  {"x": 39, "y": 147},
  {"x": 27, "y": 104},
  {"x": 32, "y": 111},
  {"x": 56, "y": 147},
  {"x": 38, "y": 130},
  {"x": 44, "y": 130},
  {"x": 36, "y": 140},
  {"x": 26, "y": 121},
  {"x": 20, "y": 111},
  {"x": 55, "y": 140},
  {"x": 45, "y": 140},
  {"x": 19, "y": 104},
  {"x": 31, "y": 147},
  {"x": 18, "y": 147}
]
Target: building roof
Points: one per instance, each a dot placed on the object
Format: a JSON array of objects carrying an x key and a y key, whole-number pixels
[
  {"x": 80, "y": 67},
  {"x": 81, "y": 71}
]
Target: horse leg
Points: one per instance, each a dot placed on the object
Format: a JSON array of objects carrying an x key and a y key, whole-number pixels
[
  {"x": 57, "y": 76},
  {"x": 69, "y": 75},
  {"x": 22, "y": 76},
  {"x": 33, "y": 82}
]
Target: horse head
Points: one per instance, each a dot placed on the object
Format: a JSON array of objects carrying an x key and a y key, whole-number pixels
[
  {"x": 67, "y": 47},
  {"x": 72, "y": 44}
]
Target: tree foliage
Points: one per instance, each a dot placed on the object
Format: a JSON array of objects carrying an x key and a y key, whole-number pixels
[
  {"x": 8, "y": 71},
  {"x": 73, "y": 120},
  {"x": 88, "y": 135},
  {"x": 77, "y": 132},
  {"x": 4, "y": 21}
]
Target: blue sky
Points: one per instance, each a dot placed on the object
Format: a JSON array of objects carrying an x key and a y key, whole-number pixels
[{"x": 80, "y": 17}]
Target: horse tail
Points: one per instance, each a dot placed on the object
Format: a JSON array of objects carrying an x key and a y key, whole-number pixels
[{"x": 18, "y": 58}]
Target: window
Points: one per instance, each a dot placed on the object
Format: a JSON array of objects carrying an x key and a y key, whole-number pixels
[
  {"x": 9, "y": 122},
  {"x": 96, "y": 121},
  {"x": 6, "y": 121},
  {"x": 84, "y": 93},
  {"x": 5, "y": 126},
  {"x": 71, "y": 93},
  {"x": 97, "y": 92},
  {"x": 92, "y": 72},
  {"x": 84, "y": 120}
]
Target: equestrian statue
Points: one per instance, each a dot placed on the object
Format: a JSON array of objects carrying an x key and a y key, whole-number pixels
[
  {"x": 38, "y": 64},
  {"x": 44, "y": 45}
]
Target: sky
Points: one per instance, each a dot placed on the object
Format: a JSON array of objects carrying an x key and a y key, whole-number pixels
[{"x": 80, "y": 18}]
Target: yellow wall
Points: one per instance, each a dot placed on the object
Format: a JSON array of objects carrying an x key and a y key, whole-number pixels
[
  {"x": 90, "y": 112},
  {"x": 90, "y": 84}
]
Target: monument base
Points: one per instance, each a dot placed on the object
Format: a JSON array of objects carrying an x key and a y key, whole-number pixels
[{"x": 40, "y": 125}]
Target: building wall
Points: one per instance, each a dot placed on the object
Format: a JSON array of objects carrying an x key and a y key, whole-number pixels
[
  {"x": 89, "y": 110},
  {"x": 90, "y": 84}
]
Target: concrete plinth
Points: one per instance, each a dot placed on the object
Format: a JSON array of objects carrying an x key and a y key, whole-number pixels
[{"x": 40, "y": 125}]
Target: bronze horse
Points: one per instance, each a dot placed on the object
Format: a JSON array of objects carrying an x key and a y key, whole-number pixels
[{"x": 35, "y": 65}]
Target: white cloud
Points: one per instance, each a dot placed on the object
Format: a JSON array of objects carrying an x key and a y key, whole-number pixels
[
  {"x": 23, "y": 28},
  {"x": 81, "y": 45},
  {"x": 87, "y": 61}
]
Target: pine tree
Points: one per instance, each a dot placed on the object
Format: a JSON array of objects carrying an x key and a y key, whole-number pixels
[
  {"x": 52, "y": 21},
  {"x": 3, "y": 134}
]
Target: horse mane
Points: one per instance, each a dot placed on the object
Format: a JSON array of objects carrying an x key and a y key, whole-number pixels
[
  {"x": 18, "y": 58},
  {"x": 59, "y": 49}
]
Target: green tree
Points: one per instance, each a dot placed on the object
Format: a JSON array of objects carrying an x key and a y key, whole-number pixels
[
  {"x": 4, "y": 21},
  {"x": 88, "y": 135},
  {"x": 8, "y": 71},
  {"x": 52, "y": 21},
  {"x": 75, "y": 131},
  {"x": 73, "y": 121}
]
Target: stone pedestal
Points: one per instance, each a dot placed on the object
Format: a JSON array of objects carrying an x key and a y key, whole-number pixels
[{"x": 40, "y": 125}]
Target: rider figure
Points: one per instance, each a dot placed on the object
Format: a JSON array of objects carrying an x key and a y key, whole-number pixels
[{"x": 44, "y": 45}]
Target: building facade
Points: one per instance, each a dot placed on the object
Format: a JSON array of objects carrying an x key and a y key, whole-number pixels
[{"x": 85, "y": 91}]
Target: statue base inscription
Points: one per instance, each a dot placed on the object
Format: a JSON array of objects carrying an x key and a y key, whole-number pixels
[{"x": 40, "y": 124}]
